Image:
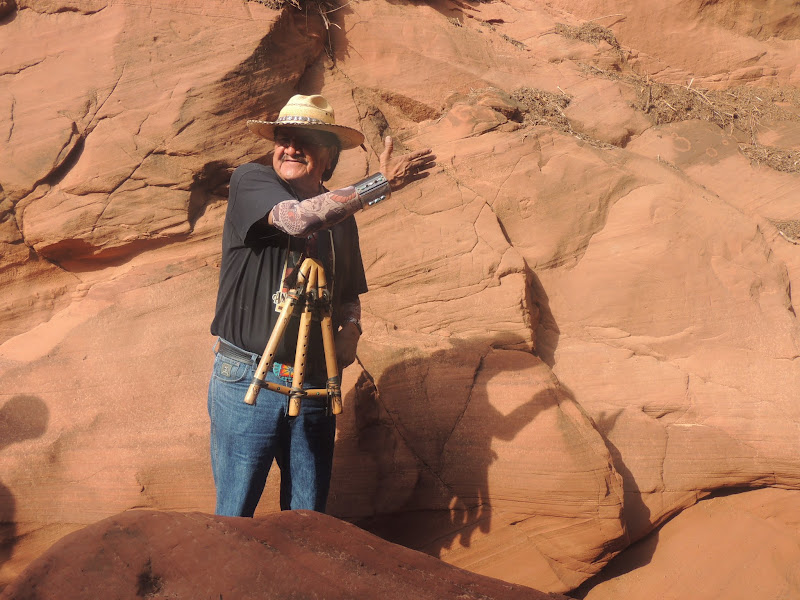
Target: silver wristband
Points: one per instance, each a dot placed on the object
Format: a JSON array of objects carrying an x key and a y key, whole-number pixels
[{"x": 373, "y": 189}]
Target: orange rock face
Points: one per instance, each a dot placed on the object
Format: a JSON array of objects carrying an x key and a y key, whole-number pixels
[
  {"x": 760, "y": 527},
  {"x": 580, "y": 324}
]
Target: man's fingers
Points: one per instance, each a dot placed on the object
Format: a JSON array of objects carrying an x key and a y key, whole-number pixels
[
  {"x": 424, "y": 162},
  {"x": 386, "y": 155},
  {"x": 422, "y": 156},
  {"x": 428, "y": 158},
  {"x": 388, "y": 148},
  {"x": 406, "y": 168}
]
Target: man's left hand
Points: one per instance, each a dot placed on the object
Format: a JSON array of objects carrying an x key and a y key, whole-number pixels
[
  {"x": 346, "y": 340},
  {"x": 404, "y": 169}
]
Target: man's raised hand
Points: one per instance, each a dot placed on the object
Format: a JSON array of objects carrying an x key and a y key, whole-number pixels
[{"x": 404, "y": 169}]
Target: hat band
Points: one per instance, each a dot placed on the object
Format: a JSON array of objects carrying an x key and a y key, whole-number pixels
[{"x": 300, "y": 119}]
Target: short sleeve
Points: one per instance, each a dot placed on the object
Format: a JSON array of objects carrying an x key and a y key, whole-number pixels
[
  {"x": 254, "y": 191},
  {"x": 350, "y": 277}
]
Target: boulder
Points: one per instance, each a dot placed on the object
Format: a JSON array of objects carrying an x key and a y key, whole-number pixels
[{"x": 150, "y": 554}]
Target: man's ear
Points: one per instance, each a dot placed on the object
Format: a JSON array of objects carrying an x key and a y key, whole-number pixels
[{"x": 333, "y": 160}]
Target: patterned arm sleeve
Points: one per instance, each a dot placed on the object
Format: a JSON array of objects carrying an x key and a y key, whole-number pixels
[{"x": 304, "y": 217}]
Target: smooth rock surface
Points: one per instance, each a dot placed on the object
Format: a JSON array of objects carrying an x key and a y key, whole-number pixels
[
  {"x": 578, "y": 325},
  {"x": 759, "y": 527}
]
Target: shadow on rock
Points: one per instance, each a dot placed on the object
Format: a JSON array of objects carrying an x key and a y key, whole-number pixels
[
  {"x": 428, "y": 426},
  {"x": 22, "y": 418},
  {"x": 547, "y": 331}
]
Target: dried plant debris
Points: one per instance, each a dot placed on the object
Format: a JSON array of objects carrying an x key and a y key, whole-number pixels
[
  {"x": 323, "y": 6},
  {"x": 513, "y": 42},
  {"x": 277, "y": 4},
  {"x": 739, "y": 108},
  {"x": 547, "y": 108},
  {"x": 789, "y": 230},
  {"x": 543, "y": 108},
  {"x": 589, "y": 32},
  {"x": 779, "y": 159}
]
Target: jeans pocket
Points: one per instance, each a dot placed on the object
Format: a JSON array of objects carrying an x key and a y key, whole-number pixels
[{"x": 230, "y": 370}]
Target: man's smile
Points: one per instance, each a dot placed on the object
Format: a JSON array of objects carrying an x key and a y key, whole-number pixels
[{"x": 301, "y": 158}]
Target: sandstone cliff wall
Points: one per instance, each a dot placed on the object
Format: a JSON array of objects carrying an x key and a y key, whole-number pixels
[{"x": 580, "y": 325}]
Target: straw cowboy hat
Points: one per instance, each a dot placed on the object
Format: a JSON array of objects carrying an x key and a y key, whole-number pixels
[{"x": 308, "y": 112}]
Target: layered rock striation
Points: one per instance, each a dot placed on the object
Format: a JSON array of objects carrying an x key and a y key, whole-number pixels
[{"x": 577, "y": 327}]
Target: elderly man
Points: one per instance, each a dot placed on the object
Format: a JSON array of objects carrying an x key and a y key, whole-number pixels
[{"x": 276, "y": 217}]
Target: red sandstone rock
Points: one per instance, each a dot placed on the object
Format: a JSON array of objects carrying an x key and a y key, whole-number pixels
[
  {"x": 565, "y": 343},
  {"x": 760, "y": 40},
  {"x": 757, "y": 532},
  {"x": 296, "y": 554}
]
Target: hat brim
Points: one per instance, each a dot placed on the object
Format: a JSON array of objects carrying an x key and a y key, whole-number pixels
[{"x": 348, "y": 137}]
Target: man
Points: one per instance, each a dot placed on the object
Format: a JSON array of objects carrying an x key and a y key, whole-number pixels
[{"x": 276, "y": 217}]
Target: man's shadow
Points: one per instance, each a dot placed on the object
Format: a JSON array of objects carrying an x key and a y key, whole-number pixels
[
  {"x": 429, "y": 424},
  {"x": 22, "y": 418}
]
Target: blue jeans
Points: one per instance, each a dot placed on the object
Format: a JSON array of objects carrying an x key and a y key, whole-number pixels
[{"x": 245, "y": 439}]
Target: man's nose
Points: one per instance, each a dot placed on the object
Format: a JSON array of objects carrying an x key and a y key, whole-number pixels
[{"x": 293, "y": 147}]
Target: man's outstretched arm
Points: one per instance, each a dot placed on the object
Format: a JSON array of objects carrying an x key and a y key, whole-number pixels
[{"x": 304, "y": 217}]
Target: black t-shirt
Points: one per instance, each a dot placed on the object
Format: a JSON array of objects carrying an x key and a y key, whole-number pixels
[{"x": 254, "y": 258}]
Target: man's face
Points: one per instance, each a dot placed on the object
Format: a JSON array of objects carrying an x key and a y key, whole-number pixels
[{"x": 301, "y": 157}]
